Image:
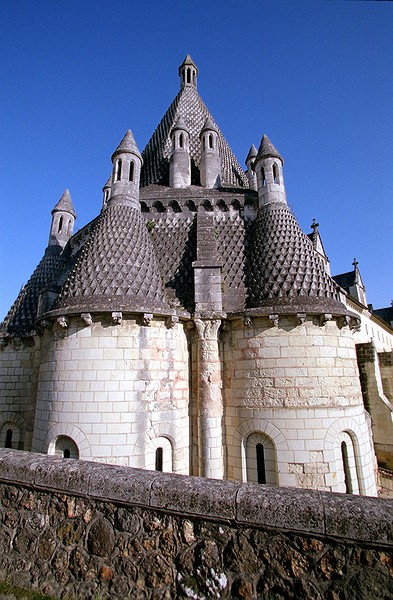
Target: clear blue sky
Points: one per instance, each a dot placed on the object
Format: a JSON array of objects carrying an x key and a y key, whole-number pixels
[{"x": 317, "y": 77}]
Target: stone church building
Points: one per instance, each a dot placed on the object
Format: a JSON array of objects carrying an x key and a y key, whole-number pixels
[{"x": 193, "y": 327}]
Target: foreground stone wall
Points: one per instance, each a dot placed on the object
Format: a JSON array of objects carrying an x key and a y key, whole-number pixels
[{"x": 85, "y": 530}]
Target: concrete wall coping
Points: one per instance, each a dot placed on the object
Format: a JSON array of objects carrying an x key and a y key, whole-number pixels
[{"x": 358, "y": 519}]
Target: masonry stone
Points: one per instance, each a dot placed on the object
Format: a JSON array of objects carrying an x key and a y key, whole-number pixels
[{"x": 193, "y": 327}]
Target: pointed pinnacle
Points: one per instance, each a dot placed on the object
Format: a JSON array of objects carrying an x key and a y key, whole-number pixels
[
  {"x": 251, "y": 153},
  {"x": 65, "y": 204},
  {"x": 266, "y": 149},
  {"x": 128, "y": 145}
]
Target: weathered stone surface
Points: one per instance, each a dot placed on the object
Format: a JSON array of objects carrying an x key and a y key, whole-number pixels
[{"x": 192, "y": 538}]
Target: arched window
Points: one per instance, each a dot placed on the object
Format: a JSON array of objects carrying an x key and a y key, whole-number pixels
[
  {"x": 60, "y": 224},
  {"x": 188, "y": 75},
  {"x": 260, "y": 457},
  {"x": 66, "y": 447},
  {"x": 347, "y": 470},
  {"x": 118, "y": 170},
  {"x": 8, "y": 438},
  {"x": 210, "y": 140},
  {"x": 349, "y": 467},
  {"x": 275, "y": 173},
  {"x": 263, "y": 176},
  {"x": 131, "y": 172},
  {"x": 159, "y": 458},
  {"x": 181, "y": 141},
  {"x": 69, "y": 226}
]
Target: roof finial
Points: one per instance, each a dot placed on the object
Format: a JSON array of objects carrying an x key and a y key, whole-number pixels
[
  {"x": 355, "y": 264},
  {"x": 314, "y": 225},
  {"x": 188, "y": 72}
]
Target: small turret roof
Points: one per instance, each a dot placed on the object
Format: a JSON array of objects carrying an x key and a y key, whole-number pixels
[
  {"x": 209, "y": 125},
  {"x": 127, "y": 144},
  {"x": 188, "y": 61},
  {"x": 251, "y": 153},
  {"x": 180, "y": 124},
  {"x": 65, "y": 204},
  {"x": 267, "y": 149},
  {"x": 108, "y": 182}
]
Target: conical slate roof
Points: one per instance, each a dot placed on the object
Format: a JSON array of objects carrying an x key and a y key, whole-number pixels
[
  {"x": 266, "y": 149},
  {"x": 252, "y": 153},
  {"x": 65, "y": 204},
  {"x": 21, "y": 317},
  {"x": 127, "y": 144},
  {"x": 117, "y": 269},
  {"x": 188, "y": 106},
  {"x": 285, "y": 271}
]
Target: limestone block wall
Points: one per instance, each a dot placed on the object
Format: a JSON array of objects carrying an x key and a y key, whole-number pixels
[
  {"x": 118, "y": 392},
  {"x": 85, "y": 530},
  {"x": 293, "y": 389},
  {"x": 378, "y": 404},
  {"x": 19, "y": 364}
]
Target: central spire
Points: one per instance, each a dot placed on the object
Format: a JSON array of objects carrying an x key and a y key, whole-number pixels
[{"x": 188, "y": 72}]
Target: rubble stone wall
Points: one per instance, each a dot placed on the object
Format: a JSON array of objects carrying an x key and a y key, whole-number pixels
[{"x": 86, "y": 530}]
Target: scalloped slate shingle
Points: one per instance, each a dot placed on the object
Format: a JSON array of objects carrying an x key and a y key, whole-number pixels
[
  {"x": 284, "y": 268},
  {"x": 117, "y": 267},
  {"x": 188, "y": 106},
  {"x": 21, "y": 317}
]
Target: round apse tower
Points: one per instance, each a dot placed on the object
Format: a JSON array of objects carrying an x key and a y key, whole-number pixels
[
  {"x": 294, "y": 408},
  {"x": 113, "y": 382}
]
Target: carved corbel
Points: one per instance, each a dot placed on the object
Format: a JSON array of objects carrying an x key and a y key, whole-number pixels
[
  {"x": 171, "y": 321},
  {"x": 325, "y": 318},
  {"x": 62, "y": 322},
  {"x": 147, "y": 319},
  {"x": 117, "y": 318},
  {"x": 344, "y": 321},
  {"x": 87, "y": 318},
  {"x": 247, "y": 321},
  {"x": 273, "y": 318},
  {"x": 301, "y": 318},
  {"x": 355, "y": 324}
]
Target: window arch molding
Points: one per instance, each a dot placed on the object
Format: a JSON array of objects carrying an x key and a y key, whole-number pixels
[
  {"x": 17, "y": 424},
  {"x": 261, "y": 459}
]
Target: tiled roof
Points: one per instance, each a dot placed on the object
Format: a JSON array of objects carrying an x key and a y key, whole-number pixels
[
  {"x": 385, "y": 313},
  {"x": 345, "y": 280},
  {"x": 117, "y": 268},
  {"x": 188, "y": 106},
  {"x": 21, "y": 317},
  {"x": 284, "y": 268},
  {"x": 266, "y": 148},
  {"x": 65, "y": 204}
]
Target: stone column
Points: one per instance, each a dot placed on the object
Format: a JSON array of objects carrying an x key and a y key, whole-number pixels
[{"x": 210, "y": 405}]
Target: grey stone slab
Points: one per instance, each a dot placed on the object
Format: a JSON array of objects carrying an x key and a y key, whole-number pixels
[
  {"x": 123, "y": 484},
  {"x": 284, "y": 508},
  {"x": 358, "y": 518},
  {"x": 71, "y": 476},
  {"x": 19, "y": 466},
  {"x": 195, "y": 496}
]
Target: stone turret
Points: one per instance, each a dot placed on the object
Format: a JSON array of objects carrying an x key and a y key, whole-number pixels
[
  {"x": 63, "y": 218},
  {"x": 127, "y": 164},
  {"x": 188, "y": 73},
  {"x": 250, "y": 162},
  {"x": 106, "y": 190},
  {"x": 180, "y": 163},
  {"x": 210, "y": 166},
  {"x": 270, "y": 180}
]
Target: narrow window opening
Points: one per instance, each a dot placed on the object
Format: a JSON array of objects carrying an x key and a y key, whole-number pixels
[
  {"x": 204, "y": 143},
  {"x": 8, "y": 438},
  {"x": 261, "y": 471},
  {"x": 275, "y": 173},
  {"x": 66, "y": 453},
  {"x": 181, "y": 140},
  {"x": 347, "y": 472},
  {"x": 118, "y": 170},
  {"x": 60, "y": 225},
  {"x": 263, "y": 176},
  {"x": 188, "y": 75},
  {"x": 159, "y": 458},
  {"x": 131, "y": 173},
  {"x": 210, "y": 140}
]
